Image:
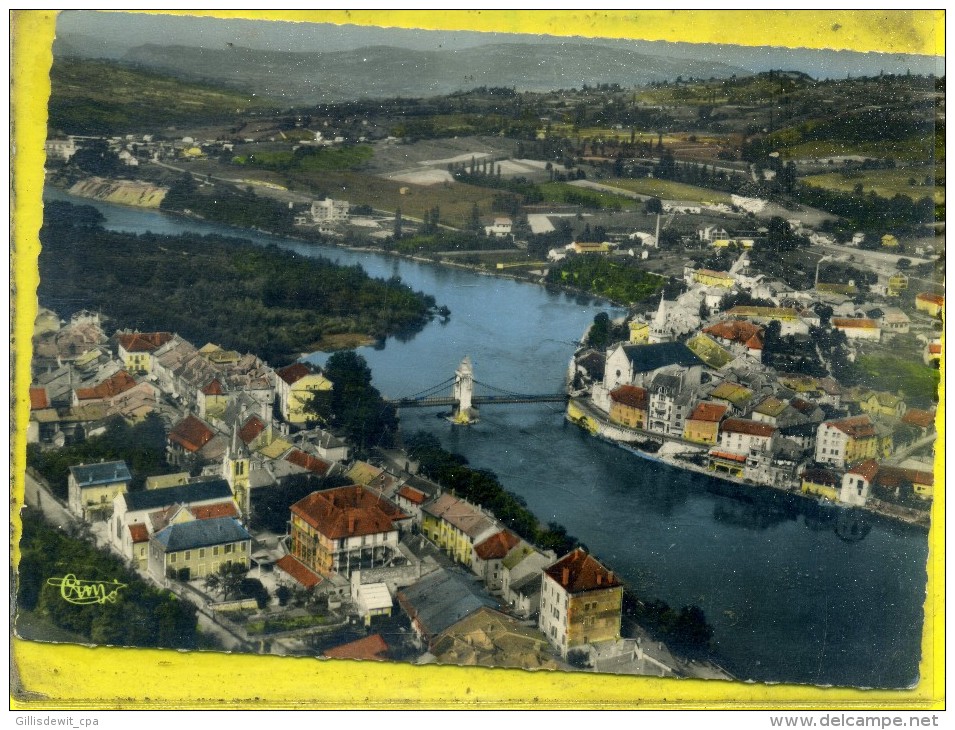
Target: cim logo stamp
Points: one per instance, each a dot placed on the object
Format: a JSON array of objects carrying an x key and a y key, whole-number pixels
[{"x": 86, "y": 592}]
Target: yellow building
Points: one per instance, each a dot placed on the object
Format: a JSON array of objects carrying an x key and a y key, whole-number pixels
[
  {"x": 136, "y": 349},
  {"x": 456, "y": 526},
  {"x": 703, "y": 424},
  {"x": 91, "y": 488},
  {"x": 639, "y": 332},
  {"x": 628, "y": 406},
  {"x": 581, "y": 603},
  {"x": 295, "y": 387},
  {"x": 583, "y": 247},
  {"x": 708, "y": 277},
  {"x": 820, "y": 483},
  {"x": 190, "y": 548},
  {"x": 898, "y": 283},
  {"x": 744, "y": 243},
  {"x": 344, "y": 529},
  {"x": 931, "y": 304},
  {"x": 883, "y": 404}
]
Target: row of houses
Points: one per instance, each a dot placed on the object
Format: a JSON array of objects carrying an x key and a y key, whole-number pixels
[{"x": 356, "y": 529}]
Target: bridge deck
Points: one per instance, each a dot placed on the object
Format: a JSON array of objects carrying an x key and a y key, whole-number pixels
[{"x": 486, "y": 400}]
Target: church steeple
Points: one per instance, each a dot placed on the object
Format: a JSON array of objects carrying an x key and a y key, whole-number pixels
[{"x": 235, "y": 470}]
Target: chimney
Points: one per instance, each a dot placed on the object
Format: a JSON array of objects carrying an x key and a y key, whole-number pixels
[
  {"x": 351, "y": 523},
  {"x": 565, "y": 578},
  {"x": 610, "y": 577},
  {"x": 600, "y": 578}
]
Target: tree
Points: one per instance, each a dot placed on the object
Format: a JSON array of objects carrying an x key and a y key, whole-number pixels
[
  {"x": 227, "y": 581},
  {"x": 397, "y": 229},
  {"x": 653, "y": 205},
  {"x": 903, "y": 264}
]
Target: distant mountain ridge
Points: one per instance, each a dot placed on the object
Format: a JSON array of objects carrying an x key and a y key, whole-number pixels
[{"x": 386, "y": 71}]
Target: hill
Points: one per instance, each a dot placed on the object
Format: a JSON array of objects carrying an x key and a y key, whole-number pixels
[
  {"x": 385, "y": 71},
  {"x": 102, "y": 98}
]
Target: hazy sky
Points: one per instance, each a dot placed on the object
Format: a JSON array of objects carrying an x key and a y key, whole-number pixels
[{"x": 120, "y": 31}]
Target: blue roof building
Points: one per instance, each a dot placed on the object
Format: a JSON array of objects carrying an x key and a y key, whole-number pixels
[
  {"x": 91, "y": 488},
  {"x": 441, "y": 600},
  {"x": 198, "y": 548}
]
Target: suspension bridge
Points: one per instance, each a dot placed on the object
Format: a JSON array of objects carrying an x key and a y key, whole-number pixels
[{"x": 459, "y": 393}]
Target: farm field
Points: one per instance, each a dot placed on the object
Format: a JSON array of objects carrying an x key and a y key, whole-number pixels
[
  {"x": 571, "y": 194},
  {"x": 669, "y": 190},
  {"x": 885, "y": 183},
  {"x": 916, "y": 149},
  {"x": 455, "y": 200}
]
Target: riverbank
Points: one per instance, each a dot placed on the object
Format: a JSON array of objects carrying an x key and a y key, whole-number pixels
[
  {"x": 583, "y": 414},
  {"x": 86, "y": 191}
]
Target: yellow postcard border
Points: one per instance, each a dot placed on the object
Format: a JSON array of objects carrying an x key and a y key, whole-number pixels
[{"x": 51, "y": 676}]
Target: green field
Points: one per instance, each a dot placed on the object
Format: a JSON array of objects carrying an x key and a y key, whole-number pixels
[
  {"x": 917, "y": 382},
  {"x": 885, "y": 183},
  {"x": 321, "y": 159},
  {"x": 914, "y": 149},
  {"x": 94, "y": 97},
  {"x": 669, "y": 190},
  {"x": 455, "y": 200},
  {"x": 573, "y": 195}
]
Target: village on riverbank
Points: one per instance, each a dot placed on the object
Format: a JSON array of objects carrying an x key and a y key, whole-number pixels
[
  {"x": 282, "y": 538},
  {"x": 775, "y": 293}
]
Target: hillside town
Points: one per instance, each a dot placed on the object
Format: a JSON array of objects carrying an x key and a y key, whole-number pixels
[
  {"x": 699, "y": 321},
  {"x": 389, "y": 565},
  {"x": 705, "y": 386}
]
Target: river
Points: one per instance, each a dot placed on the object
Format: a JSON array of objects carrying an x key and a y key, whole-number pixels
[{"x": 795, "y": 593}]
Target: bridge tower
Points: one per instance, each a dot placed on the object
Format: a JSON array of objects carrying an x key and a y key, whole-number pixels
[{"x": 463, "y": 391}]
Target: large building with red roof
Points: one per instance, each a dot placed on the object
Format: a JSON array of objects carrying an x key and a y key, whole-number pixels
[
  {"x": 628, "y": 406},
  {"x": 136, "y": 348},
  {"x": 344, "y": 529},
  {"x": 703, "y": 423},
  {"x": 488, "y": 558},
  {"x": 581, "y": 602},
  {"x": 846, "y": 441}
]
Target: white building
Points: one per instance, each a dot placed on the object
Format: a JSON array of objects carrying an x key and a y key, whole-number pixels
[
  {"x": 500, "y": 229},
  {"x": 329, "y": 210}
]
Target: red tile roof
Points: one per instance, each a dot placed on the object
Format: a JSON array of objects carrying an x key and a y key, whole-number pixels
[
  {"x": 708, "y": 412},
  {"x": 497, "y": 545},
  {"x": 294, "y": 372},
  {"x": 139, "y": 532},
  {"x": 803, "y": 406},
  {"x": 933, "y": 298},
  {"x": 214, "y": 388},
  {"x": 736, "y": 330},
  {"x": 250, "y": 431},
  {"x": 935, "y": 348},
  {"x": 855, "y": 427},
  {"x": 893, "y": 476},
  {"x": 632, "y": 396},
  {"x": 413, "y": 495},
  {"x": 38, "y": 399},
  {"x": 308, "y": 462},
  {"x": 728, "y": 455},
  {"x": 854, "y": 323},
  {"x": 144, "y": 341},
  {"x": 297, "y": 570},
  {"x": 114, "y": 385},
  {"x": 211, "y": 511},
  {"x": 348, "y": 512},
  {"x": 920, "y": 418},
  {"x": 820, "y": 476},
  {"x": 745, "y": 426},
  {"x": 867, "y": 469},
  {"x": 577, "y": 572},
  {"x": 191, "y": 434},
  {"x": 371, "y": 648}
]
